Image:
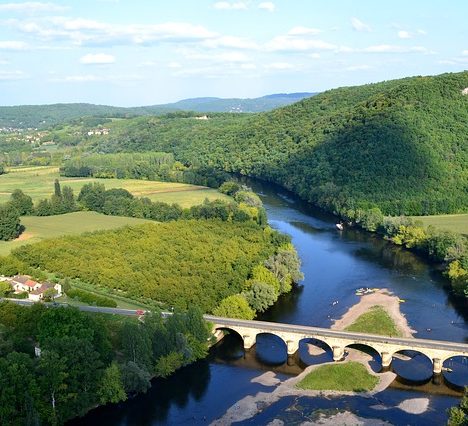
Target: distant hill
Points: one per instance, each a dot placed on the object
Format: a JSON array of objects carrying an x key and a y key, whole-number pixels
[
  {"x": 401, "y": 145},
  {"x": 265, "y": 103},
  {"x": 42, "y": 116}
]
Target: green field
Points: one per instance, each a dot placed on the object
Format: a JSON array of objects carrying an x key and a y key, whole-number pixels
[
  {"x": 38, "y": 183},
  {"x": 346, "y": 377},
  {"x": 451, "y": 222},
  {"x": 375, "y": 321},
  {"x": 41, "y": 228}
]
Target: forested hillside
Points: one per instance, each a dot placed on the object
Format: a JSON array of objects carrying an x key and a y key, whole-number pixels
[
  {"x": 45, "y": 116},
  {"x": 399, "y": 145}
]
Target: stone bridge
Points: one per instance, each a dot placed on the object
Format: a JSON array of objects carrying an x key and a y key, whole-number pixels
[{"x": 436, "y": 350}]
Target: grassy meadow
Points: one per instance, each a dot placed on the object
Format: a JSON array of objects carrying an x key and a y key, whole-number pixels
[
  {"x": 375, "y": 321},
  {"x": 41, "y": 228},
  {"x": 345, "y": 377},
  {"x": 451, "y": 222},
  {"x": 38, "y": 183}
]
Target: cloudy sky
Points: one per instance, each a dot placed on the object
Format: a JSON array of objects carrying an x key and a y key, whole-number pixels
[{"x": 143, "y": 52}]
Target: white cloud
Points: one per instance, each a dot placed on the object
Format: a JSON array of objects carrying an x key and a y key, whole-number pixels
[
  {"x": 267, "y": 5},
  {"x": 230, "y": 57},
  {"x": 404, "y": 34},
  {"x": 296, "y": 44},
  {"x": 300, "y": 31},
  {"x": 230, "y": 42},
  {"x": 91, "y": 78},
  {"x": 279, "y": 66},
  {"x": 314, "y": 55},
  {"x": 97, "y": 59},
  {"x": 358, "y": 68},
  {"x": 248, "y": 66},
  {"x": 226, "y": 5},
  {"x": 174, "y": 65},
  {"x": 31, "y": 7},
  {"x": 465, "y": 53},
  {"x": 94, "y": 33},
  {"x": 12, "y": 75},
  {"x": 421, "y": 32},
  {"x": 13, "y": 45},
  {"x": 360, "y": 26},
  {"x": 388, "y": 48}
]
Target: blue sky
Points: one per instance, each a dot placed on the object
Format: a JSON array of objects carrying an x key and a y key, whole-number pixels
[{"x": 143, "y": 52}]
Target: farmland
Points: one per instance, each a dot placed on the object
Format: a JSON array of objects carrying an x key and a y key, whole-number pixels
[
  {"x": 451, "y": 222},
  {"x": 41, "y": 228},
  {"x": 38, "y": 183}
]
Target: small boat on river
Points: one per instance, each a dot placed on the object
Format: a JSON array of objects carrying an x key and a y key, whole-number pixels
[{"x": 339, "y": 226}]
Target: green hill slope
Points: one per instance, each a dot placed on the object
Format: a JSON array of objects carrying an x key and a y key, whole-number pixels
[{"x": 401, "y": 145}]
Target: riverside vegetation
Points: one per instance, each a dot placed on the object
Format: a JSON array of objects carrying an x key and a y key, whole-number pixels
[
  {"x": 220, "y": 256},
  {"x": 86, "y": 359}
]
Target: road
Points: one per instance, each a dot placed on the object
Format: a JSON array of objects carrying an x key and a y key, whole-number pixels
[
  {"x": 85, "y": 308},
  {"x": 272, "y": 327}
]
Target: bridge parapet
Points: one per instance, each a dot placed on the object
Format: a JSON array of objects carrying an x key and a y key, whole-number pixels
[{"x": 436, "y": 351}]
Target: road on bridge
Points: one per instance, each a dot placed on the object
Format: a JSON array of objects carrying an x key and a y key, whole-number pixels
[{"x": 272, "y": 326}]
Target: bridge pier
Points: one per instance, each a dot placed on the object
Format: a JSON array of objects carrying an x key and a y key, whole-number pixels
[
  {"x": 386, "y": 359},
  {"x": 249, "y": 341},
  {"x": 437, "y": 365},
  {"x": 293, "y": 346},
  {"x": 338, "y": 353}
]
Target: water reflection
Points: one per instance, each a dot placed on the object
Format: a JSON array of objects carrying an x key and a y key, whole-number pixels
[{"x": 334, "y": 265}]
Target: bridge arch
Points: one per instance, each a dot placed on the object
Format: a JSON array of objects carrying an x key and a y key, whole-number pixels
[
  {"x": 271, "y": 348},
  {"x": 373, "y": 358},
  {"x": 314, "y": 351},
  {"x": 455, "y": 371},
  {"x": 412, "y": 365}
]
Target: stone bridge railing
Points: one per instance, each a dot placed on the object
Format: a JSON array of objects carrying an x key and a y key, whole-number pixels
[{"x": 437, "y": 351}]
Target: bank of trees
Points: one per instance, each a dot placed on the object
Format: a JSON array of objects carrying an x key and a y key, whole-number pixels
[
  {"x": 179, "y": 263},
  {"x": 438, "y": 245},
  {"x": 147, "y": 166},
  {"x": 86, "y": 359}
]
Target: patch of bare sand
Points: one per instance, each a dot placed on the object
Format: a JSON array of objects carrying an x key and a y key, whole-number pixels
[
  {"x": 267, "y": 379},
  {"x": 383, "y": 298},
  {"x": 24, "y": 236},
  {"x": 346, "y": 419},
  {"x": 249, "y": 406}
]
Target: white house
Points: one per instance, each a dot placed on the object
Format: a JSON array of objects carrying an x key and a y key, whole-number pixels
[
  {"x": 24, "y": 283},
  {"x": 38, "y": 294}
]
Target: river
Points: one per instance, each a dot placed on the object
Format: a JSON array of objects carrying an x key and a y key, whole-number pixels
[{"x": 334, "y": 264}]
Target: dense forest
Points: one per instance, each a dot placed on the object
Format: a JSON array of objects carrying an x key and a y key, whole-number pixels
[
  {"x": 184, "y": 263},
  {"x": 58, "y": 363},
  {"x": 399, "y": 145}
]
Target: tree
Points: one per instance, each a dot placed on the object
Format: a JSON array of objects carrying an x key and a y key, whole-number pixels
[
  {"x": 43, "y": 208},
  {"x": 458, "y": 416},
  {"x": 235, "y": 306},
  {"x": 135, "y": 379},
  {"x": 5, "y": 288},
  {"x": 111, "y": 387},
  {"x": 57, "y": 190},
  {"x": 261, "y": 296},
  {"x": 19, "y": 393},
  {"x": 22, "y": 202},
  {"x": 68, "y": 199},
  {"x": 92, "y": 196},
  {"x": 10, "y": 225}
]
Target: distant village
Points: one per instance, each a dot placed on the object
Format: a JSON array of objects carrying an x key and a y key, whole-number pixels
[{"x": 30, "y": 289}]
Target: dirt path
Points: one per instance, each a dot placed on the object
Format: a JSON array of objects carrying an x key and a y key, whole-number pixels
[{"x": 383, "y": 298}]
